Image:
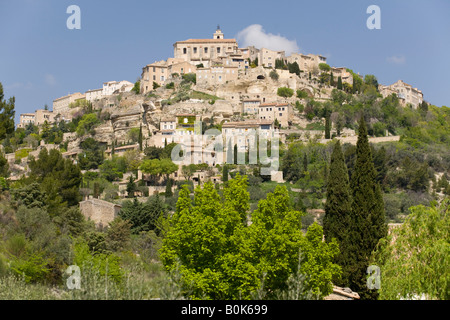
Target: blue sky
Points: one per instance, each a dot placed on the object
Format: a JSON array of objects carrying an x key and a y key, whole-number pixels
[{"x": 40, "y": 59}]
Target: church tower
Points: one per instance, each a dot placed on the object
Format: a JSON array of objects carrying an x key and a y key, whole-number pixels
[{"x": 218, "y": 34}]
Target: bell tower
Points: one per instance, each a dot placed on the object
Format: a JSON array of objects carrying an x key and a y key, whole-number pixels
[{"x": 218, "y": 34}]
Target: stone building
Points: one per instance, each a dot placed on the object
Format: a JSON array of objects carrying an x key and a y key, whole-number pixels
[
  {"x": 205, "y": 51},
  {"x": 26, "y": 119},
  {"x": 61, "y": 105},
  {"x": 267, "y": 57},
  {"x": 346, "y": 76},
  {"x": 99, "y": 211},
  {"x": 162, "y": 71},
  {"x": 93, "y": 95},
  {"x": 37, "y": 118},
  {"x": 251, "y": 106},
  {"x": 308, "y": 63},
  {"x": 275, "y": 111},
  {"x": 112, "y": 87},
  {"x": 216, "y": 75},
  {"x": 405, "y": 92},
  {"x": 43, "y": 115}
]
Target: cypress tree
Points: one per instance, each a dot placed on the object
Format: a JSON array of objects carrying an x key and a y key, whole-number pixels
[
  {"x": 339, "y": 83},
  {"x": 225, "y": 173},
  {"x": 338, "y": 208},
  {"x": 327, "y": 127},
  {"x": 169, "y": 192},
  {"x": 332, "y": 80},
  {"x": 140, "y": 138},
  {"x": 305, "y": 163},
  {"x": 368, "y": 216}
]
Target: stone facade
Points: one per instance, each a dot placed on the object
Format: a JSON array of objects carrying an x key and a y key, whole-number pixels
[
  {"x": 406, "y": 92},
  {"x": 93, "y": 95},
  {"x": 99, "y": 211},
  {"x": 204, "y": 51},
  {"x": 216, "y": 75},
  {"x": 61, "y": 105},
  {"x": 308, "y": 63},
  {"x": 26, "y": 119},
  {"x": 162, "y": 71},
  {"x": 113, "y": 87},
  {"x": 279, "y": 111}
]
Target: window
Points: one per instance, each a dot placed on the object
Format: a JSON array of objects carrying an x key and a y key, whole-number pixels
[
  {"x": 154, "y": 69},
  {"x": 281, "y": 114},
  {"x": 154, "y": 77},
  {"x": 218, "y": 49},
  {"x": 206, "y": 49},
  {"x": 162, "y": 78},
  {"x": 184, "y": 50},
  {"x": 195, "y": 49}
]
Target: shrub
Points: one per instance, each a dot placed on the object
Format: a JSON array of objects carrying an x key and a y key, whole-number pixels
[
  {"x": 285, "y": 92},
  {"x": 274, "y": 75}
]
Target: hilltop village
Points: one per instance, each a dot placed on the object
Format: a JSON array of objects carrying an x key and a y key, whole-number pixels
[{"x": 213, "y": 82}]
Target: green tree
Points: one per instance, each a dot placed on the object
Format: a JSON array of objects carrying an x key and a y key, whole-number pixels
[
  {"x": 59, "y": 178},
  {"x": 338, "y": 209},
  {"x": 137, "y": 87},
  {"x": 368, "y": 216},
  {"x": 87, "y": 123},
  {"x": 219, "y": 256},
  {"x": 327, "y": 127},
  {"x": 279, "y": 64},
  {"x": 414, "y": 257},
  {"x": 131, "y": 187},
  {"x": 4, "y": 166},
  {"x": 324, "y": 67},
  {"x": 294, "y": 68},
  {"x": 225, "y": 173},
  {"x": 143, "y": 217},
  {"x": 274, "y": 75},
  {"x": 285, "y": 92},
  {"x": 339, "y": 83},
  {"x": 169, "y": 192},
  {"x": 7, "y": 114}
]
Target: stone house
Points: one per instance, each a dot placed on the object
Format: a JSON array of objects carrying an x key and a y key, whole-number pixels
[
  {"x": 61, "y": 105},
  {"x": 205, "y": 51},
  {"x": 99, "y": 211},
  {"x": 216, "y": 75},
  {"x": 405, "y": 92},
  {"x": 275, "y": 111}
]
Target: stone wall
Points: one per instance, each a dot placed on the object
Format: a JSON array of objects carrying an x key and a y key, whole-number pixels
[{"x": 99, "y": 211}]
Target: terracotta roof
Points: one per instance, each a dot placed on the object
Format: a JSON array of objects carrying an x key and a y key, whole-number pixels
[{"x": 267, "y": 104}]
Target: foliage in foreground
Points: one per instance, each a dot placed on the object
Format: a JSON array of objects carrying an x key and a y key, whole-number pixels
[
  {"x": 414, "y": 258},
  {"x": 221, "y": 255}
]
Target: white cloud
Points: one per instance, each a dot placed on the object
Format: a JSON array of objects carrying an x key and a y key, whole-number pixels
[
  {"x": 400, "y": 59},
  {"x": 50, "y": 79},
  {"x": 255, "y": 35}
]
